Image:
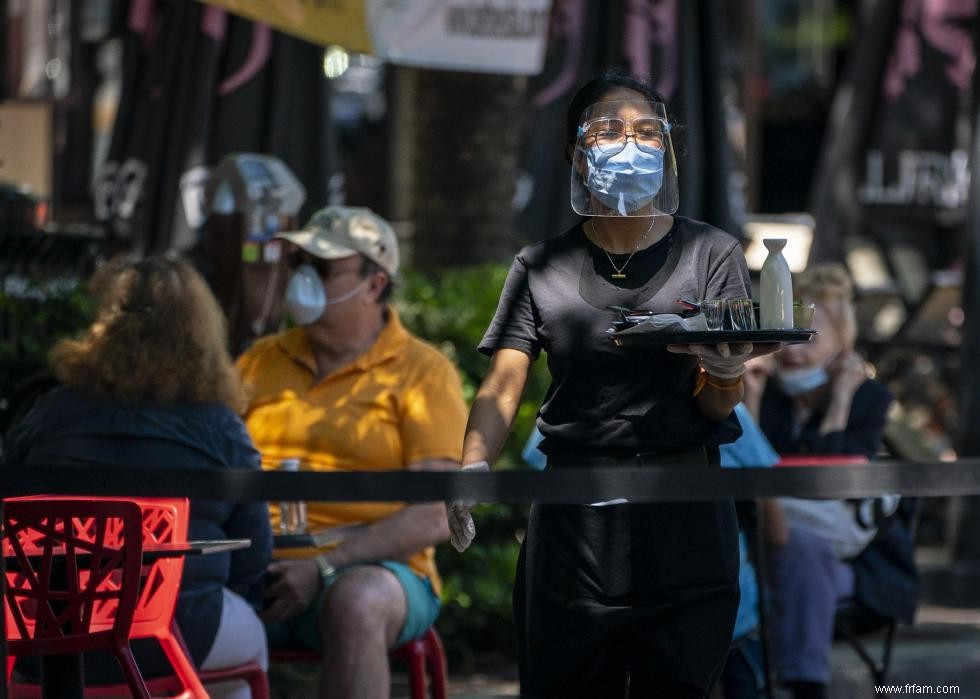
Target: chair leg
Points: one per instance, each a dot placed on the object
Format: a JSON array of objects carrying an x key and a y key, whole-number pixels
[
  {"x": 176, "y": 653},
  {"x": 416, "y": 675},
  {"x": 134, "y": 679},
  {"x": 436, "y": 662},
  {"x": 886, "y": 655},
  {"x": 11, "y": 661},
  {"x": 258, "y": 684}
]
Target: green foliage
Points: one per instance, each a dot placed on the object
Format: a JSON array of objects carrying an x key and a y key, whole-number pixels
[
  {"x": 453, "y": 311},
  {"x": 32, "y": 319}
]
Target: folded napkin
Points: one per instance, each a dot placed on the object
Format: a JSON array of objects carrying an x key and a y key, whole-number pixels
[{"x": 671, "y": 322}]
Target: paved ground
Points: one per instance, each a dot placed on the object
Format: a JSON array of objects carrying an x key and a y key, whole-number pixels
[{"x": 942, "y": 650}]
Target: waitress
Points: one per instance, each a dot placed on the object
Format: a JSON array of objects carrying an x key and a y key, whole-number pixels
[{"x": 616, "y": 598}]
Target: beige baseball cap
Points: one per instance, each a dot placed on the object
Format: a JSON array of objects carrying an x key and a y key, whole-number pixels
[{"x": 341, "y": 231}]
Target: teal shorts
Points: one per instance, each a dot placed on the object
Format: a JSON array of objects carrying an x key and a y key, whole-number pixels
[{"x": 421, "y": 602}]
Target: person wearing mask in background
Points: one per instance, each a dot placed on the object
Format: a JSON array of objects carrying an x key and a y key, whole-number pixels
[
  {"x": 150, "y": 385},
  {"x": 617, "y": 598},
  {"x": 350, "y": 389},
  {"x": 821, "y": 401}
]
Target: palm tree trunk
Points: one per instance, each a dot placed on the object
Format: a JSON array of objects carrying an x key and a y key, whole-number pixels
[{"x": 456, "y": 164}]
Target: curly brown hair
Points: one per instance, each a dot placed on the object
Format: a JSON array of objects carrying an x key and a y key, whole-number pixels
[{"x": 159, "y": 337}]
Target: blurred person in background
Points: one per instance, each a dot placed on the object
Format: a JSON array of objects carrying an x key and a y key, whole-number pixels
[
  {"x": 822, "y": 401},
  {"x": 150, "y": 385},
  {"x": 350, "y": 389}
]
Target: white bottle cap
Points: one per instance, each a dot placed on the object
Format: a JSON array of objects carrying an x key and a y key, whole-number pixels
[{"x": 289, "y": 465}]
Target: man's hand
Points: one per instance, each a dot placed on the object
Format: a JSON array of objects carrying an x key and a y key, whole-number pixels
[
  {"x": 462, "y": 530},
  {"x": 292, "y": 589}
]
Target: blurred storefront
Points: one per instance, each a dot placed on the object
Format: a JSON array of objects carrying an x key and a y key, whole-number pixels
[{"x": 845, "y": 124}]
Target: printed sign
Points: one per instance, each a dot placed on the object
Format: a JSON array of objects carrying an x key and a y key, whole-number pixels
[{"x": 491, "y": 36}]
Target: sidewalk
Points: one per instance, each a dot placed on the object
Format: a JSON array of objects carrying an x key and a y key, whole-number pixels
[{"x": 942, "y": 649}]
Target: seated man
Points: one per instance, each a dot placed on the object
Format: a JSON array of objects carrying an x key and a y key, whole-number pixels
[{"x": 350, "y": 389}]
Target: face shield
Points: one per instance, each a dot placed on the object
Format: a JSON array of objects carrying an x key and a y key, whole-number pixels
[{"x": 624, "y": 162}]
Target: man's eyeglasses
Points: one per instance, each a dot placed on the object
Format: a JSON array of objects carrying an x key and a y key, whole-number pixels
[
  {"x": 324, "y": 268},
  {"x": 610, "y": 134}
]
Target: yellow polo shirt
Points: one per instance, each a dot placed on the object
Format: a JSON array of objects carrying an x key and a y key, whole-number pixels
[{"x": 398, "y": 403}]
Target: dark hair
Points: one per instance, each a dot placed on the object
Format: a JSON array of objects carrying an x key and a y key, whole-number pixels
[
  {"x": 369, "y": 267},
  {"x": 592, "y": 91}
]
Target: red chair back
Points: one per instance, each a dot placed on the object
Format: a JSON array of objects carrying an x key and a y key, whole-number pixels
[
  {"x": 68, "y": 591},
  {"x": 165, "y": 521}
]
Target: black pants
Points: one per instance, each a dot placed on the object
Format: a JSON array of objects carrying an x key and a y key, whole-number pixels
[{"x": 633, "y": 600}]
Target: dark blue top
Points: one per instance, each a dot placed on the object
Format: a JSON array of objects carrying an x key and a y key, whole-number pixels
[{"x": 67, "y": 428}]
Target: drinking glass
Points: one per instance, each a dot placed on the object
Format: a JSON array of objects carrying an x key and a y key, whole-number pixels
[
  {"x": 742, "y": 314},
  {"x": 713, "y": 312},
  {"x": 803, "y": 315}
]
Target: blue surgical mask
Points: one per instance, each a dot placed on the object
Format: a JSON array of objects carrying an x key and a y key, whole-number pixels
[
  {"x": 625, "y": 181},
  {"x": 306, "y": 298},
  {"x": 796, "y": 382}
]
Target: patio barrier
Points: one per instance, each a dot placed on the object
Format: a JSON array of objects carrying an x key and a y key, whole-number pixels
[{"x": 565, "y": 485}]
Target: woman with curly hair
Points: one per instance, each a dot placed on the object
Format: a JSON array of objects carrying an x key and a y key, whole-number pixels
[{"x": 150, "y": 385}]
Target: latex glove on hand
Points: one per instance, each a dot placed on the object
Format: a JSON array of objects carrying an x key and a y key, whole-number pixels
[
  {"x": 723, "y": 361},
  {"x": 462, "y": 530}
]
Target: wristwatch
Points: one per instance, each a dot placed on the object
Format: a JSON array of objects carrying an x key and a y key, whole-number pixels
[{"x": 327, "y": 570}]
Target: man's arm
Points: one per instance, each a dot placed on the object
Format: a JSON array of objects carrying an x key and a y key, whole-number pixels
[
  {"x": 396, "y": 537},
  {"x": 402, "y": 534}
]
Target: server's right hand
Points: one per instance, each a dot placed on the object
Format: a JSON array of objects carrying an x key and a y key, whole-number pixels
[{"x": 462, "y": 530}]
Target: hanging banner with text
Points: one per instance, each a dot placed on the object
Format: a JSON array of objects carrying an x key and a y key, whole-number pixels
[{"x": 484, "y": 36}]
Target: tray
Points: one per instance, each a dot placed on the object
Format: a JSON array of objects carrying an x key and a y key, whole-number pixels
[{"x": 642, "y": 337}]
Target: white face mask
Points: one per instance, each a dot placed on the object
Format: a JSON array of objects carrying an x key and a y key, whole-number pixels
[
  {"x": 796, "y": 382},
  {"x": 306, "y": 299}
]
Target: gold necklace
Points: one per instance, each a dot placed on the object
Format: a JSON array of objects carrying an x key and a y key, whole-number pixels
[{"x": 620, "y": 272}]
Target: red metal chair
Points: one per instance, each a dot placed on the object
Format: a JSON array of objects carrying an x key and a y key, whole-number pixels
[
  {"x": 165, "y": 521},
  {"x": 67, "y": 592},
  {"x": 421, "y": 655}
]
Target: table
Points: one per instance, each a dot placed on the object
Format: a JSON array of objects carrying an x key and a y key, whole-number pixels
[
  {"x": 316, "y": 538},
  {"x": 64, "y": 675}
]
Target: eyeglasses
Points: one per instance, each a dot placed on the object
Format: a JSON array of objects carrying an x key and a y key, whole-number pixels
[{"x": 610, "y": 134}]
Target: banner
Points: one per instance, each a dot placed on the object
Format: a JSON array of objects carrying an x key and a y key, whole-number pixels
[
  {"x": 895, "y": 168},
  {"x": 486, "y": 36}
]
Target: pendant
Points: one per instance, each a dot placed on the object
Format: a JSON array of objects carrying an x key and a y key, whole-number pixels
[{"x": 619, "y": 275}]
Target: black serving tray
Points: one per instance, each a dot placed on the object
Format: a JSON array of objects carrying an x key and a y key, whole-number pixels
[{"x": 640, "y": 336}]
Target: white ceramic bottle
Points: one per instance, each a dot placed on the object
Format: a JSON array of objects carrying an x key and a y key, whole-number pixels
[{"x": 776, "y": 288}]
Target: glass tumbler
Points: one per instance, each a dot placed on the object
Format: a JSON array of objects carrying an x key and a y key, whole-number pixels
[
  {"x": 713, "y": 312},
  {"x": 742, "y": 313}
]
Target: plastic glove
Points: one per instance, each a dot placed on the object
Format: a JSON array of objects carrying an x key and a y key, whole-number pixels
[
  {"x": 462, "y": 530},
  {"x": 721, "y": 361}
]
